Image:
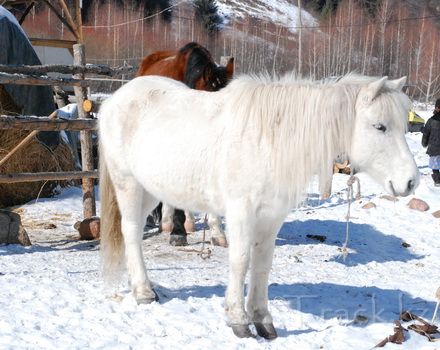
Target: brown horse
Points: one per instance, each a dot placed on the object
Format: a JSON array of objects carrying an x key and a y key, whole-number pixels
[{"x": 191, "y": 64}]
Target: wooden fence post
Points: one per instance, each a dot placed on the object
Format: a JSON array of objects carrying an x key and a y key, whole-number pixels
[{"x": 89, "y": 204}]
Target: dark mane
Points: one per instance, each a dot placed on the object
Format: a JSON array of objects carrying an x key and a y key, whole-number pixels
[{"x": 199, "y": 59}]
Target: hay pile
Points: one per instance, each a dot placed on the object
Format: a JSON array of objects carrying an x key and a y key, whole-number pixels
[{"x": 34, "y": 157}]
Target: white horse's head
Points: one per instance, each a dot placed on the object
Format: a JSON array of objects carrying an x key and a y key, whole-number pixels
[{"x": 378, "y": 144}]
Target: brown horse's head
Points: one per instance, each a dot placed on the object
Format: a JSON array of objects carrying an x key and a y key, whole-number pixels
[
  {"x": 202, "y": 73},
  {"x": 215, "y": 77}
]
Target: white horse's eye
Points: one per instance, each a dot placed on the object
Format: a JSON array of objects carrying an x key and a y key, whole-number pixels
[{"x": 380, "y": 127}]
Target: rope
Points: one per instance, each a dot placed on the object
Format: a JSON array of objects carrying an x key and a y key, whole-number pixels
[
  {"x": 204, "y": 253},
  {"x": 350, "y": 183},
  {"x": 437, "y": 295}
]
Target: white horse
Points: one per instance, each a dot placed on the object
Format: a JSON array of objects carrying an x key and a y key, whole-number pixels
[{"x": 240, "y": 150}]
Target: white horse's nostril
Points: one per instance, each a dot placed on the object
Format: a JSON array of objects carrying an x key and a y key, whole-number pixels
[{"x": 411, "y": 185}]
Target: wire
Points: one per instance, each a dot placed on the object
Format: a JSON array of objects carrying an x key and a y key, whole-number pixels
[{"x": 139, "y": 19}]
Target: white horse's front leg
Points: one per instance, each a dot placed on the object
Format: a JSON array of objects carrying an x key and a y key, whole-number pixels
[
  {"x": 132, "y": 205},
  {"x": 217, "y": 234},
  {"x": 261, "y": 263},
  {"x": 167, "y": 218},
  {"x": 240, "y": 229}
]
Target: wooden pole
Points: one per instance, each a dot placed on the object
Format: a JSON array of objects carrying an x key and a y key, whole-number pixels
[
  {"x": 24, "y": 142},
  {"x": 26, "y": 12},
  {"x": 79, "y": 21},
  {"x": 61, "y": 18},
  {"x": 79, "y": 59},
  {"x": 70, "y": 19},
  {"x": 61, "y": 175}
]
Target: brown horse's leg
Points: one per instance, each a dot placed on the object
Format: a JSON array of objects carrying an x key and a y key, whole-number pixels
[{"x": 178, "y": 235}]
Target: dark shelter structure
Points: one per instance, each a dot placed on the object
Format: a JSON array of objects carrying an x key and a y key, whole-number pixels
[
  {"x": 16, "y": 49},
  {"x": 44, "y": 151}
]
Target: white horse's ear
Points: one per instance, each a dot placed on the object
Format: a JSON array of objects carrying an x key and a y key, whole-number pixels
[
  {"x": 372, "y": 90},
  {"x": 397, "y": 83}
]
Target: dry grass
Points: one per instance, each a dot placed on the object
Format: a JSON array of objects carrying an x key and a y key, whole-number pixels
[{"x": 32, "y": 158}]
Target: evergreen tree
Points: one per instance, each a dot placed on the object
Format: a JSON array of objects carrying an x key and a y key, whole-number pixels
[
  {"x": 324, "y": 7},
  {"x": 207, "y": 14}
]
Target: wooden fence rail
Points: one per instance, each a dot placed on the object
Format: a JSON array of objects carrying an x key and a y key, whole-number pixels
[
  {"x": 42, "y": 176},
  {"x": 36, "y": 75},
  {"x": 46, "y": 124},
  {"x": 65, "y": 69},
  {"x": 22, "y": 79}
]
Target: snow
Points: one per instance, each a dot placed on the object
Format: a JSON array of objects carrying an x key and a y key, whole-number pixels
[
  {"x": 52, "y": 295},
  {"x": 281, "y": 12}
]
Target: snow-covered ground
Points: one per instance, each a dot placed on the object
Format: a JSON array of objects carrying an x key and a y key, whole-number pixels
[{"x": 52, "y": 297}]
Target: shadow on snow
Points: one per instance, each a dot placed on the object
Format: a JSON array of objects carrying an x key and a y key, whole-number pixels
[
  {"x": 368, "y": 243},
  {"x": 326, "y": 300}
]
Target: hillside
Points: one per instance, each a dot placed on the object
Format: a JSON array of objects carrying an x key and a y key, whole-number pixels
[{"x": 282, "y": 12}]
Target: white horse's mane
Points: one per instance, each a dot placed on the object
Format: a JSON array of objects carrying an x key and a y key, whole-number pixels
[{"x": 308, "y": 122}]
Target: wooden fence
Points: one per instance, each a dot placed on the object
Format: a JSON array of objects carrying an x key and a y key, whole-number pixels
[{"x": 85, "y": 124}]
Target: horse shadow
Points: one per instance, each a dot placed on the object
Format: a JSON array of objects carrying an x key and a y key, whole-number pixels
[
  {"x": 354, "y": 305},
  {"x": 368, "y": 243}
]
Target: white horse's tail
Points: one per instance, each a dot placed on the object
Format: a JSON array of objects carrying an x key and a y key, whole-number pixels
[{"x": 112, "y": 243}]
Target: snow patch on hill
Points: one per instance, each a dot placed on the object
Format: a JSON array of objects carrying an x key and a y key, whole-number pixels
[{"x": 280, "y": 12}]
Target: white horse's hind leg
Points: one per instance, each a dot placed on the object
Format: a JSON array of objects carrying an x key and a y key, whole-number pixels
[
  {"x": 189, "y": 222},
  {"x": 134, "y": 203},
  {"x": 240, "y": 229},
  {"x": 217, "y": 235},
  {"x": 167, "y": 218},
  {"x": 261, "y": 263}
]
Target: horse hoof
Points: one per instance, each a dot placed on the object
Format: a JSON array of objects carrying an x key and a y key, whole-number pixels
[
  {"x": 166, "y": 228},
  {"x": 242, "y": 331},
  {"x": 219, "y": 241},
  {"x": 189, "y": 226},
  {"x": 147, "y": 299},
  {"x": 266, "y": 330},
  {"x": 178, "y": 240}
]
